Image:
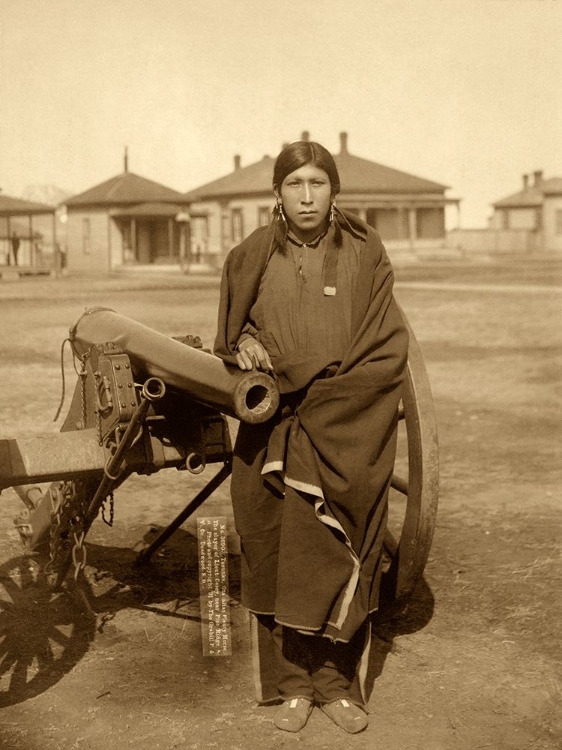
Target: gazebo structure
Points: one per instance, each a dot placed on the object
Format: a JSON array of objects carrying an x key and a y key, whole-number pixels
[{"x": 28, "y": 235}]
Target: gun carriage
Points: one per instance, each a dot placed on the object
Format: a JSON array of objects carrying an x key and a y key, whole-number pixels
[{"x": 144, "y": 402}]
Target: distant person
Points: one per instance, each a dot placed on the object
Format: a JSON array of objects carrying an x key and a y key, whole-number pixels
[
  {"x": 60, "y": 258},
  {"x": 308, "y": 298},
  {"x": 15, "y": 247}
]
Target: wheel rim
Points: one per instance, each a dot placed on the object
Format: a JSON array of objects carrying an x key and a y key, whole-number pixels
[{"x": 408, "y": 547}]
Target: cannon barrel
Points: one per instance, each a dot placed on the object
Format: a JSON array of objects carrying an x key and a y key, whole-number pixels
[{"x": 250, "y": 396}]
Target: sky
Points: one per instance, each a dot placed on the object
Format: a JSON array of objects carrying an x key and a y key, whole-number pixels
[{"x": 466, "y": 93}]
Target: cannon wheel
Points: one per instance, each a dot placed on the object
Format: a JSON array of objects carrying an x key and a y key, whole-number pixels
[
  {"x": 412, "y": 501},
  {"x": 42, "y": 635}
]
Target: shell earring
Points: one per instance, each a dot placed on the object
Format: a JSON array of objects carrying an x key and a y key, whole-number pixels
[
  {"x": 280, "y": 212},
  {"x": 332, "y": 211}
]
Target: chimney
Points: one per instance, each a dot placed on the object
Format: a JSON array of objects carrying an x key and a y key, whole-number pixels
[
  {"x": 538, "y": 177},
  {"x": 525, "y": 181},
  {"x": 343, "y": 143},
  {"x": 236, "y": 162},
  {"x": 126, "y": 161},
  {"x": 305, "y": 135}
]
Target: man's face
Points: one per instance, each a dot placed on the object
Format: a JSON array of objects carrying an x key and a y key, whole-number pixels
[{"x": 306, "y": 195}]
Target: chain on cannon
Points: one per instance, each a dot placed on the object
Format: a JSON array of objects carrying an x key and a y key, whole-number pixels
[
  {"x": 76, "y": 505},
  {"x": 68, "y": 530}
]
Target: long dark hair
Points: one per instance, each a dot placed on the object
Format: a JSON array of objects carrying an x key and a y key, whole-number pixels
[
  {"x": 294, "y": 156},
  {"x": 297, "y": 155}
]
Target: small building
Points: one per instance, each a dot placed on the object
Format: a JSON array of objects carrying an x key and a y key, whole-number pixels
[
  {"x": 126, "y": 221},
  {"x": 407, "y": 211},
  {"x": 27, "y": 234},
  {"x": 535, "y": 212}
]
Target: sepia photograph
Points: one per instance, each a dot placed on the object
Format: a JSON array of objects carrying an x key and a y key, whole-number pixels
[{"x": 280, "y": 367}]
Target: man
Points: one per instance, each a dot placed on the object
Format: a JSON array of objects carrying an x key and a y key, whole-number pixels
[{"x": 309, "y": 299}]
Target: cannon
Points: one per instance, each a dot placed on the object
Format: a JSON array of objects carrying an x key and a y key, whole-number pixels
[{"x": 144, "y": 402}]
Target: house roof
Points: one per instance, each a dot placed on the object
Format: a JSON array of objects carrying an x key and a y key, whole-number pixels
[
  {"x": 18, "y": 207},
  {"x": 357, "y": 175},
  {"x": 553, "y": 186},
  {"x": 253, "y": 179},
  {"x": 126, "y": 188},
  {"x": 533, "y": 195},
  {"x": 529, "y": 197}
]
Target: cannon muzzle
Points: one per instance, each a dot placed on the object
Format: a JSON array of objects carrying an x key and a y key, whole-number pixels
[{"x": 250, "y": 396}]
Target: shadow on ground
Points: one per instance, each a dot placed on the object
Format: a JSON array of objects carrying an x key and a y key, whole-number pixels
[{"x": 44, "y": 634}]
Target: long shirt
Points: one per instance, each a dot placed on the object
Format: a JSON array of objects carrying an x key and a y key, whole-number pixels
[{"x": 293, "y": 317}]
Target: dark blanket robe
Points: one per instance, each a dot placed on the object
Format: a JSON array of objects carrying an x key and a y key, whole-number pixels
[{"x": 334, "y": 454}]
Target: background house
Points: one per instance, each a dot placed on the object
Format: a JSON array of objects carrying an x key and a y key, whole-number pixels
[
  {"x": 408, "y": 211},
  {"x": 126, "y": 221},
  {"x": 535, "y": 210},
  {"x": 528, "y": 221}
]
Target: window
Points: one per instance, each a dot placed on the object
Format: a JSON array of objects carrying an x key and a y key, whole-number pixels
[
  {"x": 237, "y": 225},
  {"x": 558, "y": 221},
  {"x": 264, "y": 216},
  {"x": 390, "y": 223},
  {"x": 430, "y": 223},
  {"x": 387, "y": 223},
  {"x": 86, "y": 236}
]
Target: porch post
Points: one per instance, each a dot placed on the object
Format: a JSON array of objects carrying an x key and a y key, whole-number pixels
[
  {"x": 403, "y": 230},
  {"x": 31, "y": 243},
  {"x": 109, "y": 249},
  {"x": 412, "y": 226},
  {"x": 170, "y": 238},
  {"x": 133, "y": 233},
  {"x": 224, "y": 230},
  {"x": 55, "y": 247},
  {"x": 8, "y": 242},
  {"x": 181, "y": 227}
]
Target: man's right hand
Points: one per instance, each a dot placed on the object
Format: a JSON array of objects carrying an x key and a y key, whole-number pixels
[{"x": 253, "y": 356}]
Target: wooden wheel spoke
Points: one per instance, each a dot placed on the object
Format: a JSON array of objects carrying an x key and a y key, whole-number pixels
[{"x": 400, "y": 484}]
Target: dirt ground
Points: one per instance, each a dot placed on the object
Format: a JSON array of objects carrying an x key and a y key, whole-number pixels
[{"x": 475, "y": 661}]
